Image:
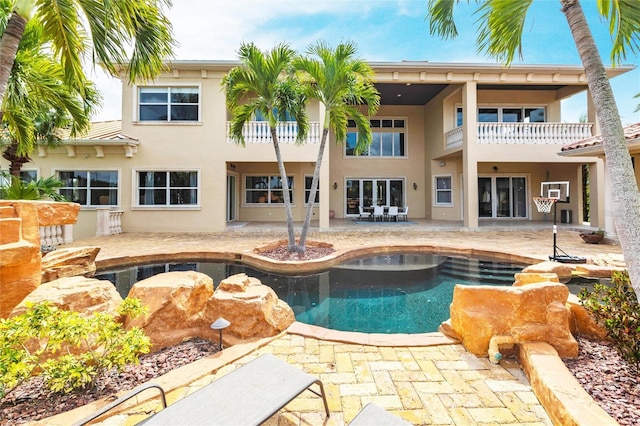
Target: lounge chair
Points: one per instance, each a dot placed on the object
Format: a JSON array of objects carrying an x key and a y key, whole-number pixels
[
  {"x": 249, "y": 395},
  {"x": 373, "y": 414},
  {"x": 403, "y": 213}
]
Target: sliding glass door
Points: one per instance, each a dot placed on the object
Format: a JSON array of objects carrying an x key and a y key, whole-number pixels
[{"x": 502, "y": 197}]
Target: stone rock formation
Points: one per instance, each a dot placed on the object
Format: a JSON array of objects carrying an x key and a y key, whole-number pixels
[
  {"x": 80, "y": 294},
  {"x": 582, "y": 323},
  {"x": 177, "y": 303},
  {"x": 530, "y": 313},
  {"x": 20, "y": 258},
  {"x": 69, "y": 262},
  {"x": 253, "y": 309},
  {"x": 524, "y": 278},
  {"x": 562, "y": 270}
]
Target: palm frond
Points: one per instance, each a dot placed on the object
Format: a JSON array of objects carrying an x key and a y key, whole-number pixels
[
  {"x": 440, "y": 15},
  {"x": 501, "y": 23},
  {"x": 624, "y": 26}
]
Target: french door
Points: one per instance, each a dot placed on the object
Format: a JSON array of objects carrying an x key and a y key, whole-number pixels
[
  {"x": 368, "y": 192},
  {"x": 502, "y": 197}
]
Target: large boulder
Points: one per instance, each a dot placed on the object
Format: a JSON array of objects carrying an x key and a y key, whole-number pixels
[
  {"x": 530, "y": 313},
  {"x": 582, "y": 323},
  {"x": 80, "y": 294},
  {"x": 562, "y": 270},
  {"x": 69, "y": 262},
  {"x": 177, "y": 303},
  {"x": 20, "y": 258},
  {"x": 253, "y": 309}
]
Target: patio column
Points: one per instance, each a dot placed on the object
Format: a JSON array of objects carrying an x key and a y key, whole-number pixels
[
  {"x": 469, "y": 163},
  {"x": 591, "y": 115},
  {"x": 609, "y": 225}
]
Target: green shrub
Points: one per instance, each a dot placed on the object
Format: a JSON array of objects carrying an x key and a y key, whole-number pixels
[
  {"x": 73, "y": 349},
  {"x": 616, "y": 308}
]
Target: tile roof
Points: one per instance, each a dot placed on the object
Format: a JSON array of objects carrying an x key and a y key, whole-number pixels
[
  {"x": 101, "y": 130},
  {"x": 631, "y": 132}
]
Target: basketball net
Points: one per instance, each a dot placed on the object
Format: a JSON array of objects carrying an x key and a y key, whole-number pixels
[{"x": 544, "y": 204}]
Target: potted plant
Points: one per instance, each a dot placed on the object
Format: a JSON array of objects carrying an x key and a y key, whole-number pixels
[{"x": 593, "y": 237}]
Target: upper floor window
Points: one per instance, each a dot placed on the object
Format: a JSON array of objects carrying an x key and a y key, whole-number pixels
[
  {"x": 307, "y": 190},
  {"x": 443, "y": 190},
  {"x": 266, "y": 189},
  {"x": 90, "y": 187},
  {"x": 388, "y": 139},
  {"x": 159, "y": 103},
  {"x": 506, "y": 115},
  {"x": 167, "y": 188}
]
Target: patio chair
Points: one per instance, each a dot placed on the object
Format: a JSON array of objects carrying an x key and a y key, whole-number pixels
[
  {"x": 249, "y": 395},
  {"x": 403, "y": 213},
  {"x": 373, "y": 414},
  {"x": 363, "y": 214},
  {"x": 392, "y": 213},
  {"x": 378, "y": 212}
]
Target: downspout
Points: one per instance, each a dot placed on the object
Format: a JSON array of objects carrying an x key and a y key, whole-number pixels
[{"x": 494, "y": 351}]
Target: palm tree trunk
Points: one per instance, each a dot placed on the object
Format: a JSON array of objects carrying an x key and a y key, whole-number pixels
[
  {"x": 8, "y": 50},
  {"x": 314, "y": 189},
  {"x": 15, "y": 161},
  {"x": 624, "y": 188},
  {"x": 292, "y": 247}
]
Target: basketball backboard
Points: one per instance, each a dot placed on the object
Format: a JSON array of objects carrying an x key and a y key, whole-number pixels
[{"x": 558, "y": 190}]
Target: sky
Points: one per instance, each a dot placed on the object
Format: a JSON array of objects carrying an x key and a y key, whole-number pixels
[{"x": 383, "y": 30}]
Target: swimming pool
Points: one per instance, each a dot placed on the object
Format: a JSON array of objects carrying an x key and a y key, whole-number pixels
[{"x": 397, "y": 293}]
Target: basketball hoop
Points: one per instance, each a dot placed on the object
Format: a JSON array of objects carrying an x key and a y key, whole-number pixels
[{"x": 544, "y": 204}]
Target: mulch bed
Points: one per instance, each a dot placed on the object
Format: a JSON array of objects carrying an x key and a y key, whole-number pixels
[
  {"x": 31, "y": 401},
  {"x": 611, "y": 381}
]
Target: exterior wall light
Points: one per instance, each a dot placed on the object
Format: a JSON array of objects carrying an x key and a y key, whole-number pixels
[
  {"x": 415, "y": 186},
  {"x": 335, "y": 185}
]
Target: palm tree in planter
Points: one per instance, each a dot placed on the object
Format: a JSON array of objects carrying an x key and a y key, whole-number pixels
[
  {"x": 263, "y": 85},
  {"x": 343, "y": 84},
  {"x": 500, "y": 36}
]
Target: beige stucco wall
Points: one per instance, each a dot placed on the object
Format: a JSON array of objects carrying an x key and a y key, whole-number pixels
[{"x": 410, "y": 168}]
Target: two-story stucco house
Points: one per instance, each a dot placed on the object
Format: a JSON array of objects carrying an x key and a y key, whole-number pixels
[{"x": 458, "y": 142}]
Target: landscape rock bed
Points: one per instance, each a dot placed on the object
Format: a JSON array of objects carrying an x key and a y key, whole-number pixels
[
  {"x": 610, "y": 380},
  {"x": 31, "y": 401}
]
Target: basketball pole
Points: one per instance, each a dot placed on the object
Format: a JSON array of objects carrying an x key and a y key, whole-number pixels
[{"x": 555, "y": 230}]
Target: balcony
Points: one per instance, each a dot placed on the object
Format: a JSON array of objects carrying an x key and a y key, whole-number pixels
[
  {"x": 524, "y": 134},
  {"x": 287, "y": 131}
]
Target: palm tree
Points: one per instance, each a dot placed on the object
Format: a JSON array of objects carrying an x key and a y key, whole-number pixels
[
  {"x": 342, "y": 83},
  {"x": 38, "y": 101},
  {"x": 501, "y": 25},
  {"x": 263, "y": 85},
  {"x": 111, "y": 32}
]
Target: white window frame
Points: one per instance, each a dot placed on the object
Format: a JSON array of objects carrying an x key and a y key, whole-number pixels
[
  {"x": 500, "y": 108},
  {"x": 267, "y": 190},
  {"x": 88, "y": 188},
  {"x": 374, "y": 130},
  {"x": 437, "y": 190},
  {"x": 135, "y": 201},
  {"x": 136, "y": 104}
]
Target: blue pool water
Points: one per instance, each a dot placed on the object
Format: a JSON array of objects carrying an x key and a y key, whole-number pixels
[{"x": 401, "y": 293}]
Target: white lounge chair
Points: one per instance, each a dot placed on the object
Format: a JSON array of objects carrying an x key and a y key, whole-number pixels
[
  {"x": 249, "y": 395},
  {"x": 373, "y": 414}
]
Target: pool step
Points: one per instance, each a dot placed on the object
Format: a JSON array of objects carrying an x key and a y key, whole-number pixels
[{"x": 480, "y": 271}]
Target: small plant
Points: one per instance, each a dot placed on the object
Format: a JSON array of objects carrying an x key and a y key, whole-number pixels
[
  {"x": 67, "y": 349},
  {"x": 599, "y": 231},
  {"x": 616, "y": 308}
]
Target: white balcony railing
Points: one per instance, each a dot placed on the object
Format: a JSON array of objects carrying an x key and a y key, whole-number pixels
[
  {"x": 524, "y": 133},
  {"x": 287, "y": 131}
]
